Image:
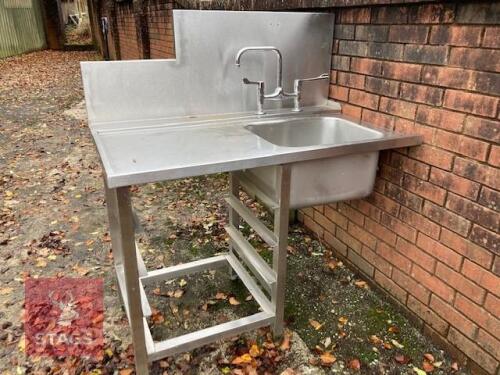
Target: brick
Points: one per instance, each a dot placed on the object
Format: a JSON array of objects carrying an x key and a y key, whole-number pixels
[
  {"x": 348, "y": 240},
  {"x": 490, "y": 198},
  {"x": 408, "y": 34},
  {"x": 464, "y": 36},
  {"x": 351, "y": 111},
  {"x": 485, "y": 238},
  {"x": 461, "y": 144},
  {"x": 484, "y": 174},
  {"x": 392, "y": 256},
  {"x": 339, "y": 93},
  {"x": 355, "y": 15},
  {"x": 390, "y": 15},
  {"x": 353, "y": 48},
  {"x": 362, "y": 235},
  {"x": 491, "y": 38},
  {"x": 372, "y": 33},
  {"x": 396, "y": 225},
  {"x": 418, "y": 256},
  {"x": 421, "y": 94},
  {"x": 324, "y": 222},
  {"x": 471, "y": 349},
  {"x": 454, "y": 317},
  {"x": 494, "y": 158},
  {"x": 482, "y": 277},
  {"x": 466, "y": 287},
  {"x": 391, "y": 174},
  {"x": 454, "y": 183},
  {"x": 340, "y": 62},
  {"x": 471, "y": 103},
  {"x": 407, "y": 126},
  {"x": 351, "y": 80},
  {"x": 360, "y": 263},
  {"x": 384, "y": 203},
  {"x": 352, "y": 214},
  {"x": 380, "y": 232},
  {"x": 313, "y": 226},
  {"x": 410, "y": 166},
  {"x": 481, "y": 317},
  {"x": 424, "y": 189},
  {"x": 338, "y": 246},
  {"x": 336, "y": 217},
  {"x": 492, "y": 304},
  {"x": 367, "y": 209},
  {"x": 390, "y": 286},
  {"x": 468, "y": 249},
  {"x": 398, "y": 107},
  {"x": 432, "y": 283},
  {"x": 379, "y": 120},
  {"x": 382, "y": 86},
  {"x": 485, "y": 82},
  {"x": 376, "y": 261},
  {"x": 473, "y": 211},
  {"x": 432, "y": 13},
  {"x": 476, "y": 58},
  {"x": 386, "y": 51},
  {"x": 366, "y": 66},
  {"x": 426, "y": 54},
  {"x": 411, "y": 286},
  {"x": 489, "y": 343},
  {"x": 401, "y": 71},
  {"x": 421, "y": 222},
  {"x": 344, "y": 32},
  {"x": 404, "y": 197},
  {"x": 446, "y": 218},
  {"x": 440, "y": 252},
  {"x": 363, "y": 99},
  {"x": 482, "y": 12},
  {"x": 427, "y": 315}
]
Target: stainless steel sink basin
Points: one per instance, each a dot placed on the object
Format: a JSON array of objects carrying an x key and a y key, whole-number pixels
[
  {"x": 312, "y": 131},
  {"x": 318, "y": 181}
]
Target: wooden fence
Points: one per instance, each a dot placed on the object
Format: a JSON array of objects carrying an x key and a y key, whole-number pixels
[{"x": 21, "y": 27}]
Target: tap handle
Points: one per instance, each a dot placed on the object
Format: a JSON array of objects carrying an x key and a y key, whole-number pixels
[{"x": 298, "y": 82}]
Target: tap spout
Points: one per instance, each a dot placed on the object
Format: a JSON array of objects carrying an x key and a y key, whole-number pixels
[{"x": 265, "y": 48}]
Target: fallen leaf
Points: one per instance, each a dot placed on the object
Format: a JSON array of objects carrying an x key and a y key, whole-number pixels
[
  {"x": 375, "y": 340},
  {"x": 332, "y": 264},
  {"x": 354, "y": 364},
  {"x": 438, "y": 364},
  {"x": 401, "y": 359},
  {"x": 182, "y": 283},
  {"x": 393, "y": 329},
  {"x": 397, "y": 344},
  {"x": 327, "y": 342},
  {"x": 157, "y": 317},
  {"x": 126, "y": 371},
  {"x": 254, "y": 351},
  {"x": 178, "y": 293},
  {"x": 343, "y": 320},
  {"x": 387, "y": 346},
  {"x": 315, "y": 324},
  {"x": 289, "y": 371},
  {"x": 285, "y": 345},
  {"x": 243, "y": 359},
  {"x": 327, "y": 359},
  {"x": 429, "y": 357},
  {"x": 454, "y": 366},
  {"x": 220, "y": 296},
  {"x": 233, "y": 301},
  {"x": 361, "y": 284},
  {"x": 419, "y": 371},
  {"x": 41, "y": 263},
  {"x": 427, "y": 366}
]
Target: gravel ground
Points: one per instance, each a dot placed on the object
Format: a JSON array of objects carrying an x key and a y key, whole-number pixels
[{"x": 53, "y": 224}]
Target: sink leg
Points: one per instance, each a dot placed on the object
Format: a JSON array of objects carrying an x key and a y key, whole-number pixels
[
  {"x": 234, "y": 218},
  {"x": 124, "y": 251},
  {"x": 281, "y": 219}
]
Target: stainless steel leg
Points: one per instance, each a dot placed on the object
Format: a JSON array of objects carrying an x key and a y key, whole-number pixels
[
  {"x": 280, "y": 251},
  {"x": 123, "y": 231},
  {"x": 234, "y": 218}
]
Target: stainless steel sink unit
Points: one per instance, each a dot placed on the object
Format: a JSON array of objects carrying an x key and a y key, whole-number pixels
[
  {"x": 319, "y": 181},
  {"x": 156, "y": 120}
]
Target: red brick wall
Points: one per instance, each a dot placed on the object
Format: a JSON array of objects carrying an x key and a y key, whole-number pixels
[
  {"x": 127, "y": 32},
  {"x": 161, "y": 31},
  {"x": 429, "y": 234}
]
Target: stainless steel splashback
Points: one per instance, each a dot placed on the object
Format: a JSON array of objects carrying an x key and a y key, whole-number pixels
[{"x": 203, "y": 78}]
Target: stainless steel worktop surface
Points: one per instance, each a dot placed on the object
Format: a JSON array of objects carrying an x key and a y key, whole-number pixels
[{"x": 148, "y": 151}]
